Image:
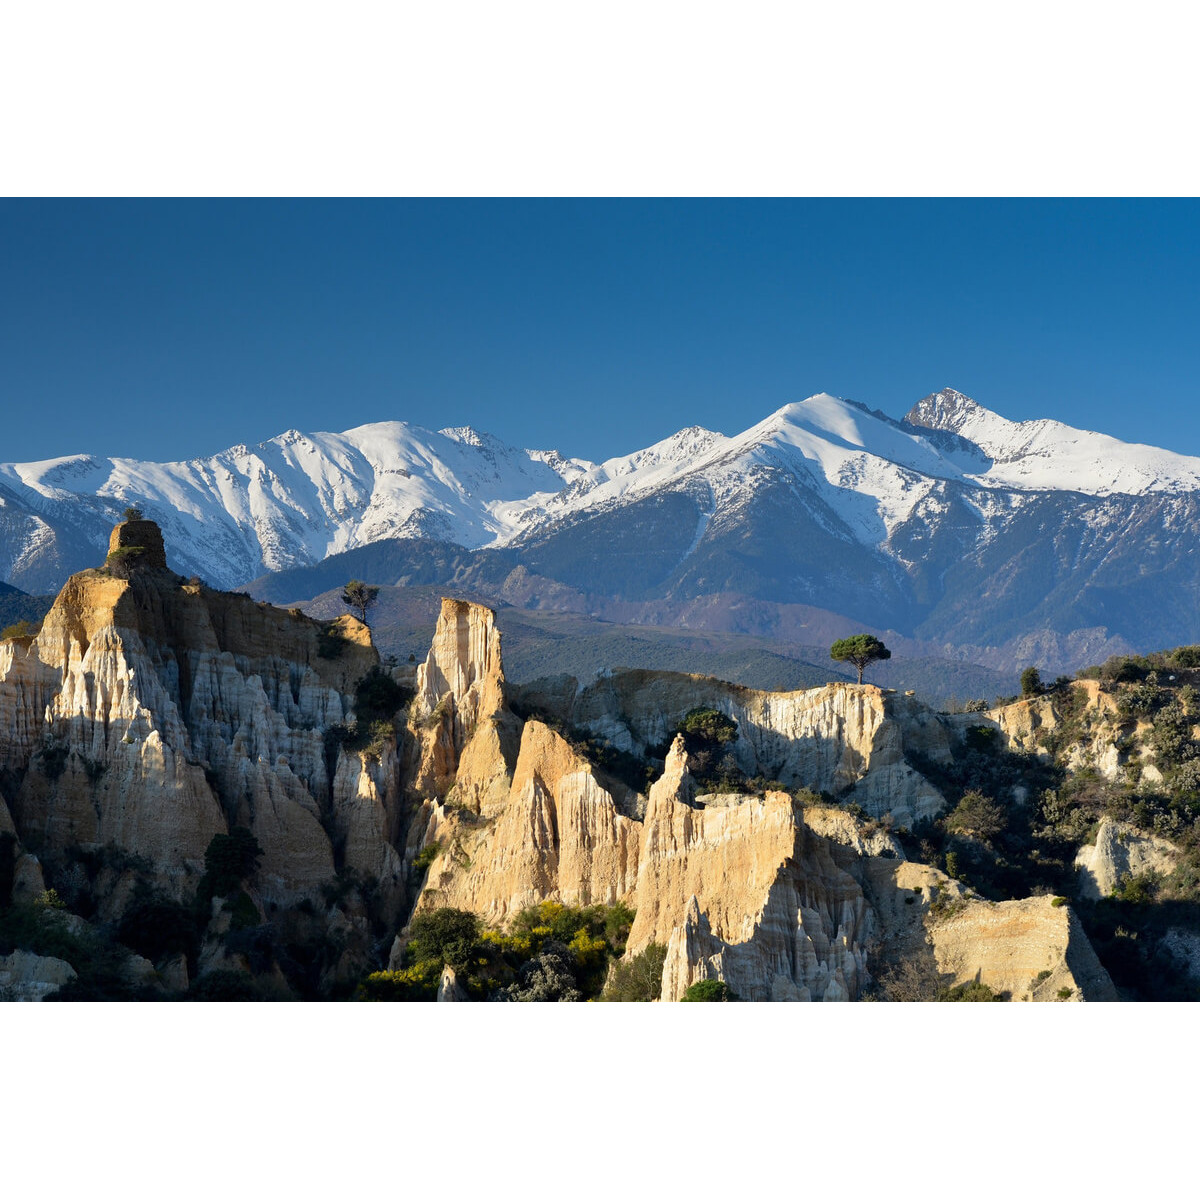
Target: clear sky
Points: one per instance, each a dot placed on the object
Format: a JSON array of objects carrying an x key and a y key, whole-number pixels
[{"x": 167, "y": 329}]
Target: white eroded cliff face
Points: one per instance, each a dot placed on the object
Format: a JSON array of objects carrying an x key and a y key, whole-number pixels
[
  {"x": 847, "y": 739},
  {"x": 1120, "y": 850},
  {"x": 748, "y": 894},
  {"x": 558, "y": 837},
  {"x": 150, "y": 714},
  {"x": 459, "y": 718}
]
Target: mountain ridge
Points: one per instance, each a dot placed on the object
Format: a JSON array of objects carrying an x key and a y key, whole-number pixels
[{"x": 1021, "y": 530}]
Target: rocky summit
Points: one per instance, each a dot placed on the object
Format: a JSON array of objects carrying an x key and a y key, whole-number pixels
[{"x": 208, "y": 797}]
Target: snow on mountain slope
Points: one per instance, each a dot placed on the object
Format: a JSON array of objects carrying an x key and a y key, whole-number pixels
[
  {"x": 1049, "y": 456},
  {"x": 859, "y": 475},
  {"x": 867, "y": 467},
  {"x": 299, "y": 497}
]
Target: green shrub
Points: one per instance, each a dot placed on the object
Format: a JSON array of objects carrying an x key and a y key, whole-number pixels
[
  {"x": 49, "y": 898},
  {"x": 21, "y": 629},
  {"x": 708, "y": 991},
  {"x": 977, "y": 815},
  {"x": 1140, "y": 700},
  {"x": 639, "y": 979},
  {"x": 1065, "y": 993},
  {"x": 378, "y": 697},
  {"x": 445, "y": 936},
  {"x": 230, "y": 858},
  {"x": 1186, "y": 656},
  {"x": 550, "y": 977},
  {"x": 1058, "y": 901},
  {"x": 411, "y": 985},
  {"x": 707, "y": 726},
  {"x": 1135, "y": 889},
  {"x": 972, "y": 992},
  {"x": 424, "y": 859},
  {"x": 984, "y": 739},
  {"x": 1031, "y": 682}
]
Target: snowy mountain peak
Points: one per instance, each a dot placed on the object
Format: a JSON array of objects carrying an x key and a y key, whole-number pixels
[
  {"x": 1045, "y": 455},
  {"x": 466, "y": 435},
  {"x": 299, "y": 497},
  {"x": 948, "y": 410}
]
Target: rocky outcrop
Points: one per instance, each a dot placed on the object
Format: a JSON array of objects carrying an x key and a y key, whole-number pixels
[
  {"x": 139, "y": 544},
  {"x": 465, "y": 734},
  {"x": 449, "y": 990},
  {"x": 150, "y": 714},
  {"x": 1098, "y": 738},
  {"x": 1120, "y": 850},
  {"x": 1032, "y": 949},
  {"x": 747, "y": 894},
  {"x": 559, "y": 837},
  {"x": 25, "y": 976},
  {"x": 848, "y": 739}
]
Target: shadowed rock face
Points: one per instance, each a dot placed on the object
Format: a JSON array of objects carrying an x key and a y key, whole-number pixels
[
  {"x": 848, "y": 739},
  {"x": 150, "y": 714},
  {"x": 140, "y": 543},
  {"x": 1120, "y": 850}
]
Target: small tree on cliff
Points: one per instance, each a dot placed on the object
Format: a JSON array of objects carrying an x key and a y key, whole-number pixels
[
  {"x": 359, "y": 596},
  {"x": 862, "y": 649},
  {"x": 132, "y": 513},
  {"x": 1031, "y": 682}
]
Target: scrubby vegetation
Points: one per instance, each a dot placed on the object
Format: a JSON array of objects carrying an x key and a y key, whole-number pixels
[
  {"x": 638, "y": 979},
  {"x": 378, "y": 699},
  {"x": 1016, "y": 821},
  {"x": 549, "y": 952},
  {"x": 20, "y": 629},
  {"x": 708, "y": 991}
]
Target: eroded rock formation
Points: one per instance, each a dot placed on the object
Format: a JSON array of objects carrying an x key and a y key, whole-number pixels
[
  {"x": 847, "y": 739},
  {"x": 1120, "y": 851},
  {"x": 1032, "y": 949},
  {"x": 150, "y": 714}
]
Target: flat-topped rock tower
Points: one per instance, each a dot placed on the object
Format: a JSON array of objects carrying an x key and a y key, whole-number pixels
[{"x": 142, "y": 536}]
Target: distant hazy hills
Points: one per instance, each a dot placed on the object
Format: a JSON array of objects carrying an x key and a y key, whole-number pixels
[{"x": 953, "y": 533}]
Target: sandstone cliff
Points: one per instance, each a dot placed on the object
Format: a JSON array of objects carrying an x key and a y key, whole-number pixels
[
  {"x": 459, "y": 717},
  {"x": 846, "y": 739},
  {"x": 151, "y": 713},
  {"x": 1086, "y": 719},
  {"x": 747, "y": 894},
  {"x": 1031, "y": 949},
  {"x": 779, "y": 900},
  {"x": 558, "y": 836},
  {"x": 1120, "y": 850}
]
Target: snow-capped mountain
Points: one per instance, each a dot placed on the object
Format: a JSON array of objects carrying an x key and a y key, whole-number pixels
[
  {"x": 1048, "y": 455},
  {"x": 290, "y": 501},
  {"x": 953, "y": 525}
]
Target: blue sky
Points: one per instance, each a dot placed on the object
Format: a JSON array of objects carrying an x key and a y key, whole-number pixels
[{"x": 165, "y": 329}]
